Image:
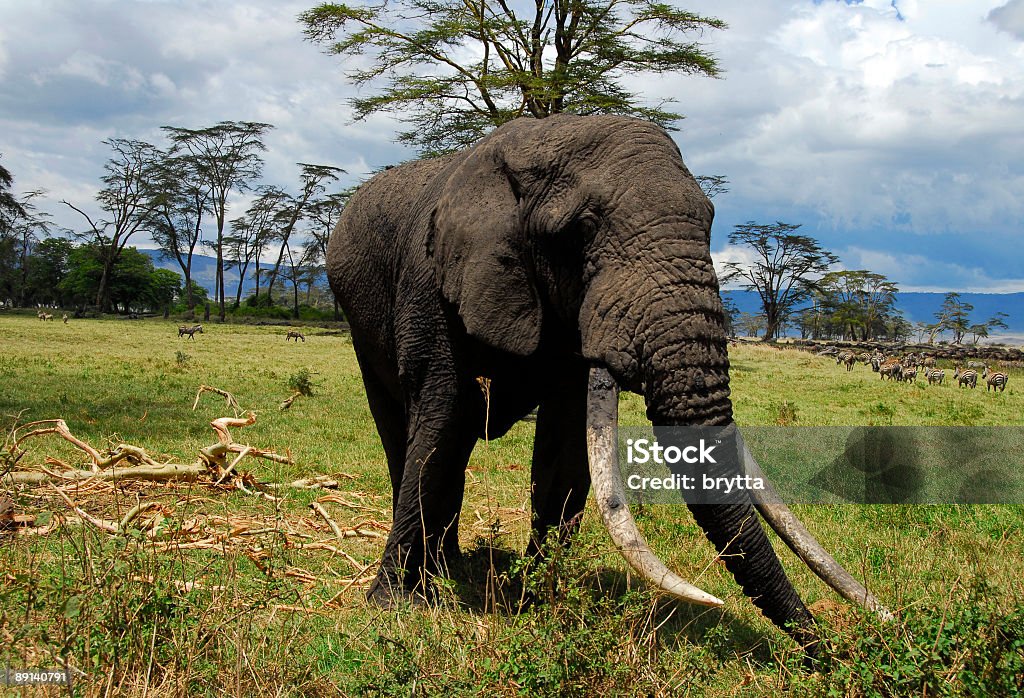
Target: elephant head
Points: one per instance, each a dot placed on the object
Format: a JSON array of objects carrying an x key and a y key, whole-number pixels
[{"x": 589, "y": 235}]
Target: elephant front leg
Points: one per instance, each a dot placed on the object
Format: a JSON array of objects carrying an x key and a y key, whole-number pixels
[
  {"x": 424, "y": 533},
  {"x": 560, "y": 474}
]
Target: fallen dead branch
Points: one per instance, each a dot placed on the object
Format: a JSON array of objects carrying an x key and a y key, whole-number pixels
[
  {"x": 60, "y": 428},
  {"x": 232, "y": 402},
  {"x": 212, "y": 459},
  {"x": 170, "y": 471},
  {"x": 288, "y": 402},
  {"x": 319, "y": 509},
  {"x": 338, "y": 499},
  {"x": 9, "y": 518}
]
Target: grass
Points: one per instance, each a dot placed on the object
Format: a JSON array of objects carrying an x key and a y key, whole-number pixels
[{"x": 257, "y": 615}]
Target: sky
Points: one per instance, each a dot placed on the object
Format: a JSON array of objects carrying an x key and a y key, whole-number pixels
[{"x": 890, "y": 131}]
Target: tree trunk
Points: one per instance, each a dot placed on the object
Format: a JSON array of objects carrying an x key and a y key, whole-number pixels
[
  {"x": 220, "y": 272},
  {"x": 190, "y": 302},
  {"x": 102, "y": 302},
  {"x": 242, "y": 280},
  {"x": 257, "y": 294}
]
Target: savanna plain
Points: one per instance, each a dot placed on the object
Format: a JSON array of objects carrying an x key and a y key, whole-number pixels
[{"x": 221, "y": 589}]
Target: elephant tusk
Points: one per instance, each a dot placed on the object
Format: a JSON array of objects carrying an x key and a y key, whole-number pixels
[
  {"x": 602, "y": 418},
  {"x": 785, "y": 523}
]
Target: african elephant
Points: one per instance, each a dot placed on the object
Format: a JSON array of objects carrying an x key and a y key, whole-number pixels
[{"x": 549, "y": 248}]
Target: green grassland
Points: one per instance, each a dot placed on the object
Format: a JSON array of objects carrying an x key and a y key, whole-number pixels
[{"x": 246, "y": 609}]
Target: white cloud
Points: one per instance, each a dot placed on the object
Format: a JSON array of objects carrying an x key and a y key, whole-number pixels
[
  {"x": 918, "y": 272},
  {"x": 1009, "y": 18},
  {"x": 93, "y": 68},
  {"x": 863, "y": 117}
]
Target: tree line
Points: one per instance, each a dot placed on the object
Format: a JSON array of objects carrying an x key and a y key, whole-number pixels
[
  {"x": 177, "y": 195},
  {"x": 798, "y": 288}
]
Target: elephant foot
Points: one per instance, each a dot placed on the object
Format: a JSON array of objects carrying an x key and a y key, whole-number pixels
[
  {"x": 394, "y": 596},
  {"x": 449, "y": 557}
]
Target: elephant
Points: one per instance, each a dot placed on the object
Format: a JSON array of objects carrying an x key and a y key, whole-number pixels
[{"x": 559, "y": 259}]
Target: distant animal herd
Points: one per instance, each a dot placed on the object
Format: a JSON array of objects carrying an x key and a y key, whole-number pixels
[
  {"x": 49, "y": 316},
  {"x": 907, "y": 369},
  {"x": 191, "y": 330}
]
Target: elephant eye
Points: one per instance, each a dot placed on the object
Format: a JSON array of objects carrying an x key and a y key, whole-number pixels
[{"x": 586, "y": 225}]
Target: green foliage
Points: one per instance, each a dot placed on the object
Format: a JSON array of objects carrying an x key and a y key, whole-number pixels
[
  {"x": 133, "y": 283},
  {"x": 302, "y": 382},
  {"x": 454, "y": 70},
  {"x": 787, "y": 414},
  {"x": 48, "y": 265},
  {"x": 968, "y": 648},
  {"x": 9, "y": 206},
  {"x": 858, "y": 303},
  {"x": 181, "y": 359}
]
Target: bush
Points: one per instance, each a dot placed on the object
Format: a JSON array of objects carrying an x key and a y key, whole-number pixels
[{"x": 969, "y": 648}]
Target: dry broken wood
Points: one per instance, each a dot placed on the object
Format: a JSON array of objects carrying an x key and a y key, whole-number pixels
[
  {"x": 9, "y": 518},
  {"x": 170, "y": 471},
  {"x": 212, "y": 460},
  {"x": 232, "y": 402},
  {"x": 288, "y": 402}
]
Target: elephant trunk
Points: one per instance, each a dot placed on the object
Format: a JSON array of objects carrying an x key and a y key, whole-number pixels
[{"x": 688, "y": 385}]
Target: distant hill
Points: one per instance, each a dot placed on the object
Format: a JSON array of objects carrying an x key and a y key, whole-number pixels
[
  {"x": 921, "y": 307},
  {"x": 204, "y": 272}
]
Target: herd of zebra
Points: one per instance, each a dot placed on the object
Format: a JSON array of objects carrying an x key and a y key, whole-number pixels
[{"x": 907, "y": 368}]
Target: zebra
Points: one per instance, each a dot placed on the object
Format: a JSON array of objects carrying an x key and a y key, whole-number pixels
[
  {"x": 891, "y": 369},
  {"x": 976, "y": 364},
  {"x": 190, "y": 331},
  {"x": 926, "y": 362},
  {"x": 296, "y": 335},
  {"x": 996, "y": 380},
  {"x": 935, "y": 375},
  {"x": 864, "y": 357},
  {"x": 968, "y": 377},
  {"x": 909, "y": 374},
  {"x": 848, "y": 358}
]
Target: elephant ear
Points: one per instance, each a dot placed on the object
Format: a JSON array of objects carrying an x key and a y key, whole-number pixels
[{"x": 478, "y": 243}]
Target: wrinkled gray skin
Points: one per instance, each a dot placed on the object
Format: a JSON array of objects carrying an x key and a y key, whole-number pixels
[{"x": 549, "y": 246}]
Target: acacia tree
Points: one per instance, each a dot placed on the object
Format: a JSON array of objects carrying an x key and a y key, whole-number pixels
[
  {"x": 181, "y": 196},
  {"x": 997, "y": 322},
  {"x": 859, "y": 299},
  {"x": 47, "y": 267},
  {"x": 292, "y": 211},
  {"x": 9, "y": 206},
  {"x": 454, "y": 69},
  {"x": 954, "y": 315},
  {"x": 227, "y": 158},
  {"x": 126, "y": 199},
  {"x": 251, "y": 233},
  {"x": 785, "y": 269}
]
